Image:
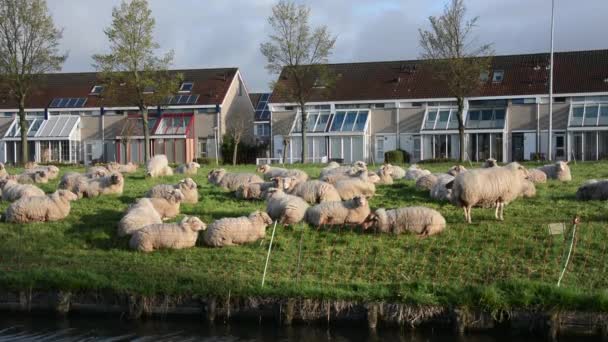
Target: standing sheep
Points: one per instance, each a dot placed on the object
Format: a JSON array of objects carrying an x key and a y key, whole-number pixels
[
  {"x": 237, "y": 230},
  {"x": 287, "y": 209},
  {"x": 560, "y": 171},
  {"x": 158, "y": 166},
  {"x": 187, "y": 186},
  {"x": 593, "y": 190},
  {"x": 349, "y": 188},
  {"x": 414, "y": 172},
  {"x": 537, "y": 176},
  {"x": 351, "y": 212},
  {"x": 13, "y": 191},
  {"x": 253, "y": 190},
  {"x": 167, "y": 235},
  {"x": 232, "y": 181},
  {"x": 420, "y": 220},
  {"x": 312, "y": 191},
  {"x": 190, "y": 168},
  {"x": 111, "y": 184},
  {"x": 53, "y": 207},
  {"x": 139, "y": 215},
  {"x": 497, "y": 185}
]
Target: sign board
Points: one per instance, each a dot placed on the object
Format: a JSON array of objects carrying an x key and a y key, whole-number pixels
[{"x": 557, "y": 228}]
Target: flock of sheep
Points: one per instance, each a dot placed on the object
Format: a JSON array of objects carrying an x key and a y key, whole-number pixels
[{"x": 339, "y": 197}]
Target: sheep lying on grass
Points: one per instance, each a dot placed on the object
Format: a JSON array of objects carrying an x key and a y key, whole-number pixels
[
  {"x": 414, "y": 172},
  {"x": 312, "y": 191},
  {"x": 386, "y": 175},
  {"x": 253, "y": 190},
  {"x": 397, "y": 172},
  {"x": 351, "y": 212},
  {"x": 360, "y": 186},
  {"x": 30, "y": 165},
  {"x": 158, "y": 166},
  {"x": 537, "y": 176},
  {"x": 335, "y": 177},
  {"x": 560, "y": 171},
  {"x": 122, "y": 168},
  {"x": 111, "y": 184},
  {"x": 440, "y": 191},
  {"x": 190, "y": 168},
  {"x": 3, "y": 172},
  {"x": 426, "y": 182},
  {"x": 51, "y": 171},
  {"x": 237, "y": 230},
  {"x": 53, "y": 207},
  {"x": 456, "y": 170},
  {"x": 232, "y": 181},
  {"x": 187, "y": 186},
  {"x": 139, "y": 215},
  {"x": 287, "y": 209},
  {"x": 372, "y": 177},
  {"x": 270, "y": 172},
  {"x": 12, "y": 191},
  {"x": 593, "y": 189},
  {"x": 497, "y": 185},
  {"x": 167, "y": 235},
  {"x": 419, "y": 220},
  {"x": 97, "y": 172},
  {"x": 347, "y": 169},
  {"x": 71, "y": 180},
  {"x": 33, "y": 177},
  {"x": 168, "y": 206}
]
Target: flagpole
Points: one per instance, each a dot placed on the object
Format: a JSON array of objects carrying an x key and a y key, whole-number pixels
[{"x": 550, "y": 142}]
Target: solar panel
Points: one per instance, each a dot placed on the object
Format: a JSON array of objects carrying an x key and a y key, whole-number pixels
[
  {"x": 55, "y": 102},
  {"x": 68, "y": 102},
  {"x": 193, "y": 99}
]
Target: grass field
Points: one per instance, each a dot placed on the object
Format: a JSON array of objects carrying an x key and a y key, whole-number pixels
[{"x": 488, "y": 264}]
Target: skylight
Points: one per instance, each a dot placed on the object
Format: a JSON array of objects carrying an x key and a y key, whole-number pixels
[
  {"x": 96, "y": 90},
  {"x": 186, "y": 87},
  {"x": 498, "y": 76},
  {"x": 68, "y": 102}
]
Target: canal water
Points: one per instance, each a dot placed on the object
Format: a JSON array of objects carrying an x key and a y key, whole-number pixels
[{"x": 16, "y": 327}]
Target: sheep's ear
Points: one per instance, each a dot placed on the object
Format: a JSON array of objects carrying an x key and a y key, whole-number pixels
[{"x": 449, "y": 185}]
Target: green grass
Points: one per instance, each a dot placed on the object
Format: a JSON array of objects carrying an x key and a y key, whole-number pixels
[{"x": 488, "y": 264}]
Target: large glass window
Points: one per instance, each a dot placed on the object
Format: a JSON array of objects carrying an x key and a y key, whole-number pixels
[
  {"x": 492, "y": 118},
  {"x": 430, "y": 119},
  {"x": 315, "y": 122},
  {"x": 603, "y": 121},
  {"x": 593, "y": 114}
]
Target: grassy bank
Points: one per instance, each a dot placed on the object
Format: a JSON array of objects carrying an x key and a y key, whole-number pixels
[{"x": 489, "y": 264}]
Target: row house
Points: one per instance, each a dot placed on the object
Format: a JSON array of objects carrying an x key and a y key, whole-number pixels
[{"x": 375, "y": 107}]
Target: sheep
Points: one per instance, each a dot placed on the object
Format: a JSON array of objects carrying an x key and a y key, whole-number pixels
[
  {"x": 111, "y": 184},
  {"x": 167, "y": 235},
  {"x": 528, "y": 190},
  {"x": 13, "y": 191},
  {"x": 71, "y": 180},
  {"x": 490, "y": 162},
  {"x": 190, "y": 168},
  {"x": 456, "y": 170},
  {"x": 439, "y": 191},
  {"x": 349, "y": 188},
  {"x": 139, "y": 215},
  {"x": 350, "y": 212},
  {"x": 53, "y": 207},
  {"x": 232, "y": 181},
  {"x": 327, "y": 169},
  {"x": 97, "y": 172},
  {"x": 158, "y": 166},
  {"x": 187, "y": 186},
  {"x": 385, "y": 176},
  {"x": 30, "y": 165},
  {"x": 288, "y": 209},
  {"x": 593, "y": 190},
  {"x": 312, "y": 191},
  {"x": 414, "y": 172},
  {"x": 497, "y": 185},
  {"x": 52, "y": 171},
  {"x": 420, "y": 220},
  {"x": 397, "y": 172},
  {"x": 33, "y": 177},
  {"x": 122, "y": 168},
  {"x": 270, "y": 172},
  {"x": 168, "y": 206},
  {"x": 560, "y": 171},
  {"x": 537, "y": 176},
  {"x": 426, "y": 182},
  {"x": 347, "y": 169},
  {"x": 3, "y": 172},
  {"x": 237, "y": 230},
  {"x": 253, "y": 190}
]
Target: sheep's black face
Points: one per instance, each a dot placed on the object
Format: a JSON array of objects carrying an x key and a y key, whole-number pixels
[
  {"x": 115, "y": 179},
  {"x": 370, "y": 221}
]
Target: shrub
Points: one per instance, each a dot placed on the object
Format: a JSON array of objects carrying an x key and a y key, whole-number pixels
[
  {"x": 396, "y": 157},
  {"x": 438, "y": 160},
  {"x": 246, "y": 153},
  {"x": 204, "y": 160}
]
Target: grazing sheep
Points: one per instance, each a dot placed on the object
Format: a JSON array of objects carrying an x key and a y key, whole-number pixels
[
  {"x": 420, "y": 220},
  {"x": 593, "y": 189},
  {"x": 537, "y": 176},
  {"x": 190, "y": 168},
  {"x": 232, "y": 181},
  {"x": 287, "y": 209},
  {"x": 168, "y": 206},
  {"x": 439, "y": 191},
  {"x": 385, "y": 176},
  {"x": 139, "y": 215},
  {"x": 497, "y": 185},
  {"x": 33, "y": 177},
  {"x": 270, "y": 172},
  {"x": 253, "y": 190},
  {"x": 456, "y": 170},
  {"x": 122, "y": 168},
  {"x": 167, "y": 235},
  {"x": 490, "y": 162},
  {"x": 312, "y": 191},
  {"x": 426, "y": 182},
  {"x": 351, "y": 212},
  {"x": 187, "y": 186},
  {"x": 3, "y": 172},
  {"x": 158, "y": 166},
  {"x": 97, "y": 172},
  {"x": 13, "y": 191},
  {"x": 397, "y": 172},
  {"x": 349, "y": 188},
  {"x": 53, "y": 207},
  {"x": 111, "y": 184},
  {"x": 30, "y": 165},
  {"x": 560, "y": 171},
  {"x": 237, "y": 230},
  {"x": 414, "y": 172}
]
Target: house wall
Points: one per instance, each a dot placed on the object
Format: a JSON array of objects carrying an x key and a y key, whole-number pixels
[
  {"x": 237, "y": 111},
  {"x": 280, "y": 126}
]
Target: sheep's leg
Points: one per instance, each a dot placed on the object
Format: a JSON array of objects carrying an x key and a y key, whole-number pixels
[
  {"x": 469, "y": 214},
  {"x": 466, "y": 216},
  {"x": 502, "y": 210},
  {"x": 497, "y": 204}
]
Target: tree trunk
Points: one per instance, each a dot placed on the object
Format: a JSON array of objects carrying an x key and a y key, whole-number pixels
[
  {"x": 23, "y": 127},
  {"x": 144, "y": 116},
  {"x": 304, "y": 120},
  {"x": 461, "y": 128},
  {"x": 285, "y": 145},
  {"x": 234, "y": 153}
]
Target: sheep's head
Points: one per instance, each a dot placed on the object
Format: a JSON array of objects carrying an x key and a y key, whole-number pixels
[
  {"x": 41, "y": 175},
  {"x": 520, "y": 169},
  {"x": 216, "y": 175},
  {"x": 289, "y": 183},
  {"x": 260, "y": 216},
  {"x": 116, "y": 178},
  {"x": 175, "y": 196},
  {"x": 561, "y": 165},
  {"x": 456, "y": 170},
  {"x": 2, "y": 166},
  {"x": 376, "y": 220},
  {"x": 272, "y": 192},
  {"x": 360, "y": 164},
  {"x": 187, "y": 183},
  {"x": 263, "y": 168},
  {"x": 4, "y": 181},
  {"x": 242, "y": 191},
  {"x": 372, "y": 177},
  {"x": 194, "y": 165},
  {"x": 193, "y": 223},
  {"x": 66, "y": 194},
  {"x": 360, "y": 201}
]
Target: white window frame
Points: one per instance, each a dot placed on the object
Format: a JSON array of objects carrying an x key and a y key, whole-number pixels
[
  {"x": 439, "y": 109},
  {"x": 181, "y": 87},
  {"x": 496, "y": 73},
  {"x": 94, "y": 90},
  {"x": 584, "y": 105}
]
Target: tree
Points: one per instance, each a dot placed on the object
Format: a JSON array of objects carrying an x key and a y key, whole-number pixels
[
  {"x": 237, "y": 130},
  {"x": 29, "y": 48},
  {"x": 299, "y": 54},
  {"x": 455, "y": 57},
  {"x": 132, "y": 72}
]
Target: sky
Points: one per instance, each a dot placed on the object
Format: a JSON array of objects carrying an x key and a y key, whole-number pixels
[{"x": 228, "y": 33}]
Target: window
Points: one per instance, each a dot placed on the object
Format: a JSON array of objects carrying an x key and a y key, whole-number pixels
[
  {"x": 523, "y": 101},
  {"x": 182, "y": 99},
  {"x": 69, "y": 102},
  {"x": 351, "y": 121},
  {"x": 202, "y": 147},
  {"x": 441, "y": 119},
  {"x": 262, "y": 112},
  {"x": 171, "y": 124},
  {"x": 484, "y": 76},
  {"x": 186, "y": 87},
  {"x": 492, "y": 118},
  {"x": 593, "y": 114},
  {"x": 336, "y": 125},
  {"x": 262, "y": 129},
  {"x": 498, "y": 76},
  {"x": 316, "y": 122},
  {"x": 430, "y": 119},
  {"x": 96, "y": 90}
]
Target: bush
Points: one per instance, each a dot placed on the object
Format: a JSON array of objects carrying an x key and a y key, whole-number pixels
[
  {"x": 396, "y": 157},
  {"x": 204, "y": 160},
  {"x": 438, "y": 160},
  {"x": 246, "y": 153}
]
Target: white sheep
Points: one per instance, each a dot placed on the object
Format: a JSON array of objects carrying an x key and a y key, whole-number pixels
[
  {"x": 169, "y": 205},
  {"x": 385, "y": 175},
  {"x": 287, "y": 209},
  {"x": 253, "y": 190},
  {"x": 537, "y": 176},
  {"x": 347, "y": 169},
  {"x": 187, "y": 186},
  {"x": 560, "y": 171},
  {"x": 414, "y": 172},
  {"x": 490, "y": 162},
  {"x": 350, "y": 212},
  {"x": 528, "y": 190},
  {"x": 33, "y": 177},
  {"x": 456, "y": 170},
  {"x": 232, "y": 181},
  {"x": 122, "y": 168},
  {"x": 12, "y": 191},
  {"x": 496, "y": 186},
  {"x": 53, "y": 207},
  {"x": 237, "y": 230},
  {"x": 3, "y": 172},
  {"x": 52, "y": 171},
  {"x": 97, "y": 172},
  {"x": 70, "y": 181},
  {"x": 593, "y": 189},
  {"x": 439, "y": 191},
  {"x": 111, "y": 184},
  {"x": 190, "y": 168},
  {"x": 158, "y": 166},
  {"x": 139, "y": 215},
  {"x": 349, "y": 188},
  {"x": 270, "y": 172},
  {"x": 167, "y": 235},
  {"x": 419, "y": 220},
  {"x": 397, "y": 172},
  {"x": 30, "y": 165},
  {"x": 426, "y": 182},
  {"x": 312, "y": 191},
  {"x": 330, "y": 166}
]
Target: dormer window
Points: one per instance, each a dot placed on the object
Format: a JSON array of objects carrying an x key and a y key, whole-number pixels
[
  {"x": 484, "y": 76},
  {"x": 96, "y": 90},
  {"x": 186, "y": 87},
  {"x": 498, "y": 76},
  {"x": 318, "y": 83}
]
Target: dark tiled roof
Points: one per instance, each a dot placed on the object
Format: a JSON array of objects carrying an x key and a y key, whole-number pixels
[
  {"x": 210, "y": 84},
  {"x": 575, "y": 72}
]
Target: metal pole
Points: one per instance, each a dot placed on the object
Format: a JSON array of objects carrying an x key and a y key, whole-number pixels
[
  {"x": 268, "y": 255},
  {"x": 549, "y": 150}
]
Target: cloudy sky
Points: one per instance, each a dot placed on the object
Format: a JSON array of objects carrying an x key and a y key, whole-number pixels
[{"x": 228, "y": 33}]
